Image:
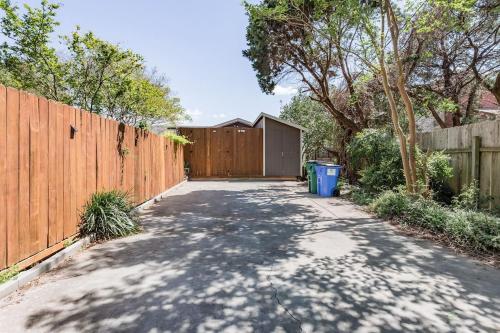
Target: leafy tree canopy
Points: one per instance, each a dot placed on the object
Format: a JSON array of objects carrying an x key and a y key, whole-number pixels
[
  {"x": 87, "y": 72},
  {"x": 322, "y": 127}
]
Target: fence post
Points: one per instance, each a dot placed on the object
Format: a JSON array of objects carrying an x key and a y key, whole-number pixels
[{"x": 476, "y": 157}]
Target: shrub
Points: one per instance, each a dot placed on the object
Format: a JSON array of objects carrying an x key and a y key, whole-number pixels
[
  {"x": 426, "y": 214},
  {"x": 391, "y": 204},
  {"x": 438, "y": 172},
  {"x": 361, "y": 197},
  {"x": 108, "y": 215},
  {"x": 464, "y": 228},
  {"x": 376, "y": 154},
  {"x": 477, "y": 230},
  {"x": 438, "y": 167}
]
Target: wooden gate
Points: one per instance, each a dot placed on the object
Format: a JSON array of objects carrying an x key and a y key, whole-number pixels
[{"x": 224, "y": 152}]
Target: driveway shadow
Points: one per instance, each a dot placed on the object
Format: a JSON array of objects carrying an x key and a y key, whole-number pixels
[{"x": 267, "y": 257}]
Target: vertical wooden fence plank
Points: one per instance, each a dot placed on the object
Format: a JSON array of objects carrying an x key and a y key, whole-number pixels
[
  {"x": 73, "y": 172},
  {"x": 12, "y": 176},
  {"x": 78, "y": 168},
  {"x": 53, "y": 176},
  {"x": 43, "y": 137},
  {"x": 3, "y": 177},
  {"x": 67, "y": 170},
  {"x": 476, "y": 159},
  {"x": 62, "y": 154},
  {"x": 90, "y": 156},
  {"x": 96, "y": 128},
  {"x": 82, "y": 162},
  {"x": 24, "y": 174},
  {"x": 34, "y": 175}
]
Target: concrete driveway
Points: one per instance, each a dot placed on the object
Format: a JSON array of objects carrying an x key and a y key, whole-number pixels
[{"x": 259, "y": 257}]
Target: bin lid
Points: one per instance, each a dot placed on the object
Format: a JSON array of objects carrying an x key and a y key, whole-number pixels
[{"x": 330, "y": 165}]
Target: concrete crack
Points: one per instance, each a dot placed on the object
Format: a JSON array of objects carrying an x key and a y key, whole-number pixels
[{"x": 276, "y": 297}]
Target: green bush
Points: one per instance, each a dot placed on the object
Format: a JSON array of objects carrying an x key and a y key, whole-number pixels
[
  {"x": 375, "y": 153},
  {"x": 361, "y": 197},
  {"x": 477, "y": 230},
  {"x": 426, "y": 214},
  {"x": 438, "y": 167},
  {"x": 108, "y": 215},
  {"x": 391, "y": 204},
  {"x": 469, "y": 197},
  {"x": 436, "y": 170},
  {"x": 465, "y": 228}
]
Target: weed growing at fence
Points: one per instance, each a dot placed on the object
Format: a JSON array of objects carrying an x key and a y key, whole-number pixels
[
  {"x": 8, "y": 274},
  {"x": 177, "y": 139},
  {"x": 108, "y": 215}
]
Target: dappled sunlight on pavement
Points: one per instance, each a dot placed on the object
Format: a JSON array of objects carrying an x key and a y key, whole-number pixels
[{"x": 260, "y": 257}]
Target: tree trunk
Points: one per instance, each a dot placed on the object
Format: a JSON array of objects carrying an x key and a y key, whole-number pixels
[
  {"x": 397, "y": 127},
  {"x": 401, "y": 85}
]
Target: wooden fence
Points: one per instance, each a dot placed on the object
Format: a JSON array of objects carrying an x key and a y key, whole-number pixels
[
  {"x": 475, "y": 154},
  {"x": 224, "y": 152},
  {"x": 53, "y": 157}
]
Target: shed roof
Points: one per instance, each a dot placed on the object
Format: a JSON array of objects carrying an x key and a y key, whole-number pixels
[{"x": 266, "y": 115}]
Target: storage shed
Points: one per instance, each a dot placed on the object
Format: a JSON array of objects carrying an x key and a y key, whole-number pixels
[{"x": 268, "y": 147}]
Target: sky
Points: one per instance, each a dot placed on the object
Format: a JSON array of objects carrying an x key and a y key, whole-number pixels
[{"x": 197, "y": 44}]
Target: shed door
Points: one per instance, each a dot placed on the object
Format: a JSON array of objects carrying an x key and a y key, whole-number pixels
[
  {"x": 282, "y": 149},
  {"x": 291, "y": 151}
]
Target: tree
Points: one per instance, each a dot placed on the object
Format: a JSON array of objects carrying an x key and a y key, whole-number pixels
[
  {"x": 89, "y": 73},
  {"x": 455, "y": 55},
  {"x": 308, "y": 42},
  {"x": 381, "y": 25},
  {"x": 322, "y": 128},
  {"x": 147, "y": 99},
  {"x": 98, "y": 72},
  {"x": 27, "y": 59}
]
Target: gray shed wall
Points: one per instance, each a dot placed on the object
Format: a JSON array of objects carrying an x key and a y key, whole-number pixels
[{"x": 282, "y": 149}]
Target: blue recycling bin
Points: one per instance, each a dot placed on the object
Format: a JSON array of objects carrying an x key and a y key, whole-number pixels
[{"x": 328, "y": 175}]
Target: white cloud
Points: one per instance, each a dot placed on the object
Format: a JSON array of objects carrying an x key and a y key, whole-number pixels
[
  {"x": 284, "y": 90},
  {"x": 194, "y": 113},
  {"x": 219, "y": 116}
]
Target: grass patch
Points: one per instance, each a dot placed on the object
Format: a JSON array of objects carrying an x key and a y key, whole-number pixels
[
  {"x": 473, "y": 230},
  {"x": 9, "y": 274},
  {"x": 108, "y": 215}
]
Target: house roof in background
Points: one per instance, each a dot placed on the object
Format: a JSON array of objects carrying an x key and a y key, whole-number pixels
[
  {"x": 232, "y": 121},
  {"x": 250, "y": 124},
  {"x": 488, "y": 101}
]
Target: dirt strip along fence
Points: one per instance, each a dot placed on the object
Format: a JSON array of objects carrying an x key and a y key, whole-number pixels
[
  {"x": 475, "y": 154},
  {"x": 54, "y": 156}
]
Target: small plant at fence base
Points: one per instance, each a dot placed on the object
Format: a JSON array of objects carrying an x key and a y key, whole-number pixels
[
  {"x": 108, "y": 215},
  {"x": 8, "y": 274}
]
